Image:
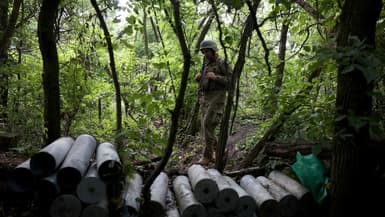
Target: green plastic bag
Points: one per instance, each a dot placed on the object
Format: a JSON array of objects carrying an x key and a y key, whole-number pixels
[{"x": 311, "y": 172}]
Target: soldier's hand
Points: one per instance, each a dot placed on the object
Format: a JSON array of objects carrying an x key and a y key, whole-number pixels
[
  {"x": 211, "y": 75},
  {"x": 198, "y": 77}
]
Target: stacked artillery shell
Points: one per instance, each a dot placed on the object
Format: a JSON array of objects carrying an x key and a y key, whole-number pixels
[
  {"x": 132, "y": 193},
  {"x": 91, "y": 189},
  {"x": 246, "y": 205},
  {"x": 303, "y": 194},
  {"x": 227, "y": 197},
  {"x": 108, "y": 162},
  {"x": 267, "y": 206},
  {"x": 291, "y": 185},
  {"x": 66, "y": 205},
  {"x": 76, "y": 163},
  {"x": 48, "y": 187},
  {"x": 287, "y": 203},
  {"x": 204, "y": 187},
  {"x": 48, "y": 159},
  {"x": 99, "y": 209},
  {"x": 171, "y": 208},
  {"x": 189, "y": 206},
  {"x": 158, "y": 191},
  {"x": 21, "y": 178}
]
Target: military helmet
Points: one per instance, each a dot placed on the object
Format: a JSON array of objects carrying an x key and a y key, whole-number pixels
[{"x": 208, "y": 44}]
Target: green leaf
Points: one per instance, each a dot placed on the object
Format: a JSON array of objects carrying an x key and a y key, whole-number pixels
[
  {"x": 131, "y": 19},
  {"x": 128, "y": 30}
]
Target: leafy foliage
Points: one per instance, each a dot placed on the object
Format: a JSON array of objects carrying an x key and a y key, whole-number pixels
[{"x": 149, "y": 71}]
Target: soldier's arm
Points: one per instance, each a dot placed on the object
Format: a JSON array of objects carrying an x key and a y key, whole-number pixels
[{"x": 224, "y": 75}]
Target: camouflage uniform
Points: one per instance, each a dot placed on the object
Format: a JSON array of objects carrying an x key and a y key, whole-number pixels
[{"x": 212, "y": 98}]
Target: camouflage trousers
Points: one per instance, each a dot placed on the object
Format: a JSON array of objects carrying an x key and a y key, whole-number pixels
[{"x": 212, "y": 104}]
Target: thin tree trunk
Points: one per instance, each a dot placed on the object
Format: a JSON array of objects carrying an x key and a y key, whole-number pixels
[
  {"x": 178, "y": 105},
  {"x": 312, "y": 11},
  {"x": 7, "y": 28},
  {"x": 352, "y": 167},
  {"x": 247, "y": 32},
  {"x": 47, "y": 44},
  {"x": 194, "y": 119},
  {"x": 278, "y": 123},
  {"x": 280, "y": 69},
  {"x": 118, "y": 97}
]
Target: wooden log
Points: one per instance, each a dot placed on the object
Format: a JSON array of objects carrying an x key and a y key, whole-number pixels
[
  {"x": 158, "y": 190},
  {"x": 288, "y": 204},
  {"x": 171, "y": 207},
  {"x": 76, "y": 163},
  {"x": 48, "y": 159},
  {"x": 91, "y": 189},
  {"x": 188, "y": 205},
  {"x": 256, "y": 171},
  {"x": 21, "y": 179},
  {"x": 204, "y": 187},
  {"x": 108, "y": 162},
  {"x": 303, "y": 194},
  {"x": 246, "y": 205},
  {"x": 267, "y": 206},
  {"x": 289, "y": 150},
  {"x": 227, "y": 197},
  {"x": 132, "y": 194},
  {"x": 66, "y": 205},
  {"x": 99, "y": 209}
]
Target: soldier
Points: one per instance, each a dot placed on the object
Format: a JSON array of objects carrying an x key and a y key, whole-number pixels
[{"x": 214, "y": 81}]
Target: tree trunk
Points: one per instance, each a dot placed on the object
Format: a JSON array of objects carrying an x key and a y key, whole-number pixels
[
  {"x": 193, "y": 124},
  {"x": 7, "y": 30},
  {"x": 238, "y": 67},
  {"x": 278, "y": 123},
  {"x": 47, "y": 44},
  {"x": 271, "y": 108},
  {"x": 312, "y": 11},
  {"x": 178, "y": 104},
  {"x": 118, "y": 97},
  {"x": 352, "y": 167}
]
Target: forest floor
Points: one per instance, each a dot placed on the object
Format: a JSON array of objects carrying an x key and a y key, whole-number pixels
[{"x": 191, "y": 152}]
